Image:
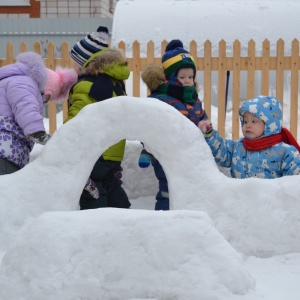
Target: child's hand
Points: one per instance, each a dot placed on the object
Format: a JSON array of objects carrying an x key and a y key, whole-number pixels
[{"x": 205, "y": 126}]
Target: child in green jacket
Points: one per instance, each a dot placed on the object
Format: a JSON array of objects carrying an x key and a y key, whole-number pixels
[{"x": 102, "y": 77}]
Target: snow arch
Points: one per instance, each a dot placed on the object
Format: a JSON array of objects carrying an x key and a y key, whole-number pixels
[{"x": 66, "y": 161}]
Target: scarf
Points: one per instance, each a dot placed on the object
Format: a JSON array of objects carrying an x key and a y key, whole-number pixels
[
  {"x": 103, "y": 86},
  {"x": 268, "y": 141},
  {"x": 186, "y": 94}
]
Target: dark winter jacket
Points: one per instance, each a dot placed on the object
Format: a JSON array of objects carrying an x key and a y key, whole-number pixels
[
  {"x": 172, "y": 92},
  {"x": 100, "y": 78}
]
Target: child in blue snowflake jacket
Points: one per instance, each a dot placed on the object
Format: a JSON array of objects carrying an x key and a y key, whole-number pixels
[{"x": 267, "y": 150}]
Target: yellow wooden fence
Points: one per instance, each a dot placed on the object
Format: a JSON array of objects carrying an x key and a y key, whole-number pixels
[{"x": 207, "y": 63}]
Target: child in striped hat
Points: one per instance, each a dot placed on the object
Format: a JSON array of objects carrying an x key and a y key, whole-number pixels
[{"x": 89, "y": 45}]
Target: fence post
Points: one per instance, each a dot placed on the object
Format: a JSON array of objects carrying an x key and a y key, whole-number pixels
[
  {"x": 265, "y": 68},
  {"x": 207, "y": 77},
  {"x": 136, "y": 69},
  {"x": 50, "y": 63},
  {"x": 294, "y": 86},
  {"x": 9, "y": 54},
  {"x": 251, "y": 69},
  {"x": 236, "y": 89},
  {"x": 280, "y": 70},
  {"x": 221, "y": 87}
]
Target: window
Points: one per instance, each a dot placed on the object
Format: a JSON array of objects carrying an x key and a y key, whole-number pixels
[{"x": 14, "y": 2}]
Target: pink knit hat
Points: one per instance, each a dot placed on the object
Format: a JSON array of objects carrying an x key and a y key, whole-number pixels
[{"x": 59, "y": 83}]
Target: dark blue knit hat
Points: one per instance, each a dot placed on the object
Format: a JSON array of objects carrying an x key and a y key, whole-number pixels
[
  {"x": 89, "y": 45},
  {"x": 176, "y": 58},
  {"x": 102, "y": 29}
]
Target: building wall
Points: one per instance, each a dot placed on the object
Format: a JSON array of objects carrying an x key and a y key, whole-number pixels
[
  {"x": 17, "y": 31},
  {"x": 77, "y": 8},
  {"x": 13, "y": 9}
]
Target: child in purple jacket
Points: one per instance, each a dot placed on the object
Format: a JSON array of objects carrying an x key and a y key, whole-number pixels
[{"x": 22, "y": 96}]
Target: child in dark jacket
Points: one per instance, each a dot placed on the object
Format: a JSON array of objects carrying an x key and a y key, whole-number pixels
[
  {"x": 175, "y": 85},
  {"x": 267, "y": 150}
]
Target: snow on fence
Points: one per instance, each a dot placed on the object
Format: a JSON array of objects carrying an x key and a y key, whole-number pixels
[{"x": 285, "y": 64}]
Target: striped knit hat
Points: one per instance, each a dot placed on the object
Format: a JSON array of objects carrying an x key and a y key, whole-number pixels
[
  {"x": 176, "y": 58},
  {"x": 92, "y": 43}
]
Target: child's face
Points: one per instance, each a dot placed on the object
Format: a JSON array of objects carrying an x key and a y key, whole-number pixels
[
  {"x": 253, "y": 127},
  {"x": 186, "y": 76}
]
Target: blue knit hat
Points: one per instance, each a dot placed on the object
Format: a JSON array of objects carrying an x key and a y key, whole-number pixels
[
  {"x": 176, "y": 58},
  {"x": 89, "y": 45}
]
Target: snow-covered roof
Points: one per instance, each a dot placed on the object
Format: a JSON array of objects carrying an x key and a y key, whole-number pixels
[{"x": 202, "y": 20}]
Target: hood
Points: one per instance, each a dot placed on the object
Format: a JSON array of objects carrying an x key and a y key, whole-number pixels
[
  {"x": 109, "y": 61},
  {"x": 153, "y": 76},
  {"x": 28, "y": 64},
  {"x": 267, "y": 109}
]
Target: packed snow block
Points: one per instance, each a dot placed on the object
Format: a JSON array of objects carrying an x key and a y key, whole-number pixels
[
  {"x": 246, "y": 212},
  {"x": 55, "y": 180},
  {"x": 111, "y": 253}
]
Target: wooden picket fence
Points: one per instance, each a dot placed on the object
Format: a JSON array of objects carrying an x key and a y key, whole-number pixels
[{"x": 206, "y": 64}]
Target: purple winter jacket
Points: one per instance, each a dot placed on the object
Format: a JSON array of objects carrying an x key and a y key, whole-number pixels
[{"x": 21, "y": 106}]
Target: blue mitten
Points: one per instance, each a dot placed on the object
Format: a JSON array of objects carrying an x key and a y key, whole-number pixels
[{"x": 144, "y": 160}]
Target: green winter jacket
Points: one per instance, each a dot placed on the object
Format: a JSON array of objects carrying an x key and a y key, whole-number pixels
[{"x": 102, "y": 78}]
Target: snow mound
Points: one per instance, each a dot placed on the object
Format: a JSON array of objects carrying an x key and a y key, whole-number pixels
[
  {"x": 122, "y": 254},
  {"x": 253, "y": 223}
]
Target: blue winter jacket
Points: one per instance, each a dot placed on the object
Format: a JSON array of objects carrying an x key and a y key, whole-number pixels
[{"x": 276, "y": 161}]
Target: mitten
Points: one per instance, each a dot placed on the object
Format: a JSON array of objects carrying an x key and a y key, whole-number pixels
[
  {"x": 118, "y": 173},
  {"x": 40, "y": 137},
  {"x": 205, "y": 126},
  {"x": 91, "y": 187},
  {"x": 144, "y": 159}
]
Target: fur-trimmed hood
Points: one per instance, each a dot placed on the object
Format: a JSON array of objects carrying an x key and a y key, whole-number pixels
[
  {"x": 28, "y": 64},
  {"x": 153, "y": 76},
  {"x": 109, "y": 61}
]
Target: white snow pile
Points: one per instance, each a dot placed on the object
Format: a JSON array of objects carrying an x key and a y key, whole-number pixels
[
  {"x": 51, "y": 247},
  {"x": 124, "y": 252}
]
